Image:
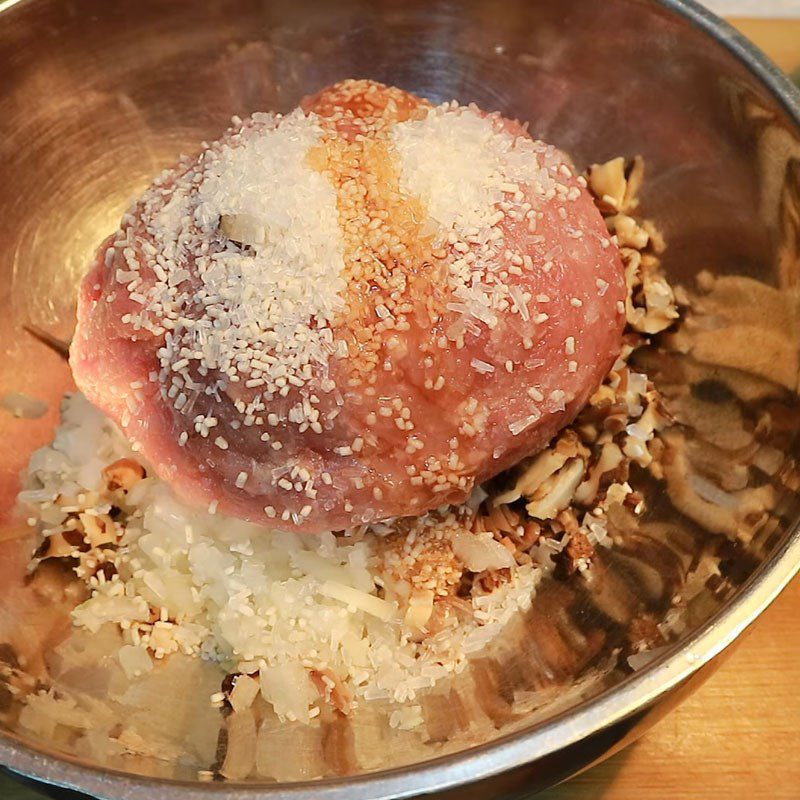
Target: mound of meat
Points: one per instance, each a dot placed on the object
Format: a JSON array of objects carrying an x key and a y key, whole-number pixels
[{"x": 353, "y": 312}]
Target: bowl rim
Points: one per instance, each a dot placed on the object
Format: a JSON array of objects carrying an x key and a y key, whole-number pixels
[{"x": 636, "y": 692}]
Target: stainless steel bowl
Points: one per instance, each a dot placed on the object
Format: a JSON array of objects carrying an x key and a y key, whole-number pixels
[{"x": 96, "y": 97}]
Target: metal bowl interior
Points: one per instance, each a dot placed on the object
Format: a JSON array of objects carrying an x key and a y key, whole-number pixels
[{"x": 96, "y": 98}]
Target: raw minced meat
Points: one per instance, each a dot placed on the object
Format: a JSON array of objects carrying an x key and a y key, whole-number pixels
[{"x": 354, "y": 312}]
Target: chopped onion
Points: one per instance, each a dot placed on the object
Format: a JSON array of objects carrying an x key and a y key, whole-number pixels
[
  {"x": 240, "y": 757},
  {"x": 358, "y": 599},
  {"x": 245, "y": 690},
  {"x": 420, "y": 608},
  {"x": 289, "y": 689},
  {"x": 135, "y": 660},
  {"x": 480, "y": 551}
]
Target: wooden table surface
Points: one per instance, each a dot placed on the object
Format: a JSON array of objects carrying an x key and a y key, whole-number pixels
[{"x": 739, "y": 735}]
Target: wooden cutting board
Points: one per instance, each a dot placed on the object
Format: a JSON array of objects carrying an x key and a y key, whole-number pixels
[{"x": 738, "y": 736}]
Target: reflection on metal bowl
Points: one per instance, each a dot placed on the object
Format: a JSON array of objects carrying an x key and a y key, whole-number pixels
[{"x": 97, "y": 98}]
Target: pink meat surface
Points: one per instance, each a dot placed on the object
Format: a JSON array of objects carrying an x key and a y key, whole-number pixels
[{"x": 418, "y": 390}]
